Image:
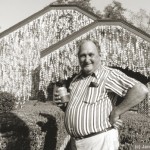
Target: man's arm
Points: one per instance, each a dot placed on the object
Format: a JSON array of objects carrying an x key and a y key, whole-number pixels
[{"x": 134, "y": 96}]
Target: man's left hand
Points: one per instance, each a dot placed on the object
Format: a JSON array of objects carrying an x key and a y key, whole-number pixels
[{"x": 115, "y": 120}]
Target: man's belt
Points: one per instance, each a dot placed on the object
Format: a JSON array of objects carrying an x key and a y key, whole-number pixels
[{"x": 92, "y": 134}]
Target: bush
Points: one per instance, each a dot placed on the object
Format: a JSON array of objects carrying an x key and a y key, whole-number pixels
[
  {"x": 136, "y": 129},
  {"x": 37, "y": 126},
  {"x": 7, "y": 102}
]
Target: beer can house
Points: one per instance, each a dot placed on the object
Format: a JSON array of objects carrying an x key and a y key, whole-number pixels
[{"x": 46, "y": 44}]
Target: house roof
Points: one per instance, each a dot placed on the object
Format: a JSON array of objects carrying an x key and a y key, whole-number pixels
[
  {"x": 91, "y": 15},
  {"x": 94, "y": 24},
  {"x": 45, "y": 10},
  {"x": 83, "y": 11}
]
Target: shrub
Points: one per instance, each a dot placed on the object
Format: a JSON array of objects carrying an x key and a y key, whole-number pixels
[
  {"x": 7, "y": 102},
  {"x": 37, "y": 126},
  {"x": 136, "y": 129}
]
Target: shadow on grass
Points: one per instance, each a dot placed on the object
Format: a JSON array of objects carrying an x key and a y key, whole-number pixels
[{"x": 50, "y": 127}]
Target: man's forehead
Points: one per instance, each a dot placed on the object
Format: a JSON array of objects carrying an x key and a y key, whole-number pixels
[
  {"x": 88, "y": 46},
  {"x": 89, "y": 43}
]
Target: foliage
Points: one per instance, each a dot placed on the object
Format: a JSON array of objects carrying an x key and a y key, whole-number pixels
[
  {"x": 114, "y": 11},
  {"x": 40, "y": 126},
  {"x": 7, "y": 102},
  {"x": 140, "y": 19},
  {"x": 37, "y": 126},
  {"x": 86, "y": 4},
  {"x": 136, "y": 129}
]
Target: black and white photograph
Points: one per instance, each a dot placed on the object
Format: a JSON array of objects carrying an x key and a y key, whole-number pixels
[{"x": 74, "y": 75}]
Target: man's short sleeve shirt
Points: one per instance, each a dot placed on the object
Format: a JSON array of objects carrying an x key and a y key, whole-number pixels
[{"x": 91, "y": 100}]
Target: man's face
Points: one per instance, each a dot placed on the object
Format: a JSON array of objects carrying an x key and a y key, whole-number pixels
[{"x": 89, "y": 58}]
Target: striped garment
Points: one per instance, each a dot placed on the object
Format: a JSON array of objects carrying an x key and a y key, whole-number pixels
[{"x": 92, "y": 100}]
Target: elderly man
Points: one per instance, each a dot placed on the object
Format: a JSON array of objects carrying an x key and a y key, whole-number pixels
[{"x": 91, "y": 117}]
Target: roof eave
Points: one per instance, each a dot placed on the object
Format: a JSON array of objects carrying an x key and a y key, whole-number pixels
[{"x": 45, "y": 10}]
